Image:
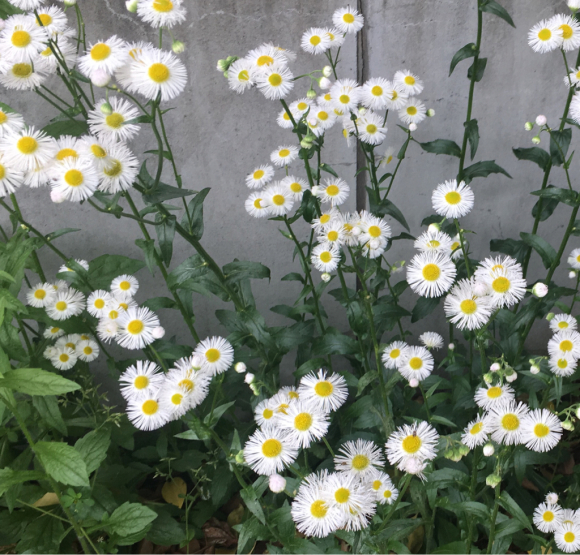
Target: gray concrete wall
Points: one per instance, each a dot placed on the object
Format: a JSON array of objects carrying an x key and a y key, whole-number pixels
[{"x": 218, "y": 136}]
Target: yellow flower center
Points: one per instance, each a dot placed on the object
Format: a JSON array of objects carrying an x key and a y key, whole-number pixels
[
  {"x": 264, "y": 61},
  {"x": 159, "y": 73},
  {"x": 244, "y": 76},
  {"x": 212, "y": 355},
  {"x": 271, "y": 448},
  {"x": 416, "y": 363},
  {"x": 434, "y": 244},
  {"x": 113, "y": 315},
  {"x": 322, "y": 115},
  {"x": 74, "y": 178},
  {"x": 494, "y": 392},
  {"x": 387, "y": 493},
  {"x": 257, "y": 204},
  {"x": 125, "y": 285},
  {"x": 98, "y": 151},
  {"x": 22, "y": 70},
  {"x": 176, "y": 399},
  {"x": 377, "y": 91},
  {"x": 360, "y": 462},
  {"x": 60, "y": 306},
  {"x": 70, "y": 345},
  {"x": 323, "y": 389},
  {"x": 115, "y": 120},
  {"x": 342, "y": 495},
  {"x": 476, "y": 428},
  {"x": 348, "y": 18},
  {"x": 325, "y": 257},
  {"x": 45, "y": 19},
  {"x": 412, "y": 110},
  {"x": 344, "y": 99},
  {"x": 431, "y": 272},
  {"x": 501, "y": 284},
  {"x": 186, "y": 384},
  {"x": 293, "y": 395},
  {"x": 27, "y": 145},
  {"x": 566, "y": 345},
  {"x": 114, "y": 169},
  {"x": 268, "y": 413},
  {"x": 510, "y": 422},
  {"x": 325, "y": 218},
  {"x": 275, "y": 79},
  {"x": 468, "y": 306},
  {"x": 318, "y": 509},
  {"x": 87, "y": 350},
  {"x": 453, "y": 197},
  {"x": 46, "y": 52},
  {"x": 409, "y": 80},
  {"x": 541, "y": 430},
  {"x": 569, "y": 537},
  {"x": 395, "y": 353},
  {"x": 332, "y": 235},
  {"x": 63, "y": 357},
  {"x": 374, "y": 231},
  {"x": 278, "y": 200},
  {"x": 562, "y": 363},
  {"x": 548, "y": 516},
  {"x": 567, "y": 31},
  {"x": 332, "y": 190},
  {"x": 315, "y": 40},
  {"x": 562, "y": 325},
  {"x": 411, "y": 444},
  {"x": 54, "y": 330},
  {"x": 40, "y": 294},
  {"x": 135, "y": 327},
  {"x": 2, "y": 172},
  {"x": 377, "y": 484},
  {"x": 296, "y": 187},
  {"x": 371, "y": 128},
  {"x": 163, "y": 6},
  {"x": 303, "y": 421},
  {"x": 282, "y": 408},
  {"x": 327, "y": 97},
  {"x": 21, "y": 39},
  {"x": 100, "y": 52},
  {"x": 284, "y": 153},
  {"x": 3, "y": 117},
  {"x": 150, "y": 407},
  {"x": 66, "y": 153},
  {"x": 455, "y": 246},
  {"x": 545, "y": 34},
  {"x": 258, "y": 174}
]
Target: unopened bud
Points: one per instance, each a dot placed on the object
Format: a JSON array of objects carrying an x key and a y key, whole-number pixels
[
  {"x": 277, "y": 483},
  {"x": 196, "y": 362},
  {"x": 56, "y": 196},
  {"x": 572, "y": 275},
  {"x": 511, "y": 377},
  {"x": 327, "y": 71},
  {"x": 414, "y": 382},
  {"x": 240, "y": 367},
  {"x": 131, "y": 5},
  {"x": 325, "y": 83},
  {"x": 493, "y": 480},
  {"x": 451, "y": 346},
  {"x": 568, "y": 425},
  {"x": 249, "y": 379},
  {"x": 222, "y": 65},
  {"x": 178, "y": 47},
  {"x": 325, "y": 277},
  {"x": 480, "y": 289},
  {"x": 70, "y": 2},
  {"x": 536, "y": 140},
  {"x": 374, "y": 243},
  {"x": 315, "y": 190},
  {"x": 430, "y": 113},
  {"x": 534, "y": 369},
  {"x": 552, "y": 498},
  {"x": 158, "y": 332},
  {"x": 495, "y": 367},
  {"x": 311, "y": 93},
  {"x": 550, "y": 316},
  {"x": 488, "y": 449},
  {"x": 414, "y": 466},
  {"x": 240, "y": 457},
  {"x": 540, "y": 289},
  {"x": 488, "y": 377},
  {"x": 412, "y": 127},
  {"x": 434, "y": 228},
  {"x": 541, "y": 120},
  {"x": 255, "y": 389},
  {"x": 106, "y": 108},
  {"x": 100, "y": 78},
  {"x": 578, "y": 412},
  {"x": 305, "y": 144},
  {"x": 574, "y": 5},
  {"x": 356, "y": 231}
]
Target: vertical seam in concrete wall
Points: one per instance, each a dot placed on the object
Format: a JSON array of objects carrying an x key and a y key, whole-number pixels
[{"x": 361, "y": 74}]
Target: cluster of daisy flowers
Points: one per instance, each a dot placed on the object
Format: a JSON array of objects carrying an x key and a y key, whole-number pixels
[
  {"x": 155, "y": 398},
  {"x": 564, "y": 345},
  {"x": 549, "y": 517}
]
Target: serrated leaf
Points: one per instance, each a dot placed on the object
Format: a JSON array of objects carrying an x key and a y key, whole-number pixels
[
  {"x": 244, "y": 269},
  {"x": 34, "y": 381},
  {"x": 534, "y": 154},
  {"x": 47, "y": 407},
  {"x": 195, "y": 210},
  {"x": 9, "y": 477},
  {"x": 442, "y": 146},
  {"x": 559, "y": 144},
  {"x": 542, "y": 247},
  {"x": 561, "y": 195},
  {"x": 104, "y": 269},
  {"x": 93, "y": 448},
  {"x": 63, "y": 463},
  {"x": 130, "y": 518},
  {"x": 472, "y": 129},
  {"x": 483, "y": 169},
  {"x": 468, "y": 51},
  {"x": 251, "y": 500}
]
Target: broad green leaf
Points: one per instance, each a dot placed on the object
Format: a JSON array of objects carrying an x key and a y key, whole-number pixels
[
  {"x": 164, "y": 192},
  {"x": 244, "y": 269},
  {"x": 9, "y": 477},
  {"x": 34, "y": 381},
  {"x": 559, "y": 144},
  {"x": 47, "y": 407},
  {"x": 561, "y": 195},
  {"x": 165, "y": 235},
  {"x": 424, "y": 307},
  {"x": 328, "y": 169},
  {"x": 93, "y": 448},
  {"x": 534, "y": 154},
  {"x": 480, "y": 69},
  {"x": 104, "y": 269},
  {"x": 75, "y": 128},
  {"x": 491, "y": 6},
  {"x": 218, "y": 413},
  {"x": 42, "y": 535},
  {"x": 251, "y": 500},
  {"x": 159, "y": 302},
  {"x": 472, "y": 129},
  {"x": 483, "y": 169},
  {"x": 548, "y": 205},
  {"x": 508, "y": 503},
  {"x": 516, "y": 249},
  {"x": 165, "y": 530},
  {"x": 60, "y": 232},
  {"x": 192, "y": 268},
  {"x": 334, "y": 343},
  {"x": 130, "y": 518},
  {"x": 442, "y": 146},
  {"x": 195, "y": 210},
  {"x": 311, "y": 365},
  {"x": 366, "y": 380},
  {"x": 542, "y": 247},
  {"x": 468, "y": 51},
  {"x": 386, "y": 207},
  {"x": 441, "y": 420},
  {"x": 63, "y": 463},
  {"x": 148, "y": 248}
]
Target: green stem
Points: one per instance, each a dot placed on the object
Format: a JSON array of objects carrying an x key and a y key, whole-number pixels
[
  {"x": 463, "y": 249},
  {"x": 425, "y": 403},
  {"x": 493, "y": 518},
  {"x": 158, "y": 357},
  {"x": 472, "y": 521},
  {"x": 407, "y": 480},
  {"x": 328, "y": 447},
  {"x": 400, "y": 161}
]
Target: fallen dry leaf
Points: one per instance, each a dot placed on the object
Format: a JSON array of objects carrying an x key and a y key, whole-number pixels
[
  {"x": 171, "y": 491},
  {"x": 47, "y": 499}
]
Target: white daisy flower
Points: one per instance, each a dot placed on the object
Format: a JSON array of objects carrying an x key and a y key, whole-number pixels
[
  {"x": 278, "y": 199},
  {"x": 573, "y": 78},
  {"x": 275, "y": 82},
  {"x": 21, "y": 39},
  {"x": 394, "y": 354},
  {"x": 506, "y": 288},
  {"x": 570, "y": 31},
  {"x": 41, "y": 295},
  {"x": 65, "y": 268},
  {"x": 125, "y": 285},
  {"x": 54, "y": 22},
  {"x": 217, "y": 354},
  {"x": 346, "y": 492},
  {"x": 375, "y": 93},
  {"x": 417, "y": 364},
  {"x": 465, "y": 309},
  {"x": 264, "y": 413},
  {"x": 312, "y": 515},
  {"x": 158, "y": 74},
  {"x": 409, "y": 82},
  {"x": 325, "y": 258},
  {"x": 574, "y": 258},
  {"x": 430, "y": 274},
  {"x": 109, "y": 56},
  {"x": 493, "y": 396},
  {"x": 561, "y": 322},
  {"x": 147, "y": 414},
  {"x": 27, "y": 5},
  {"x": 371, "y": 129},
  {"x": 434, "y": 241},
  {"x": 565, "y": 343},
  {"x": 53, "y": 332},
  {"x": 74, "y": 179},
  {"x": 27, "y": 149},
  {"x": 332, "y": 234},
  {"x": 141, "y": 380},
  {"x": 135, "y": 328},
  {"x": 283, "y": 120},
  {"x": 325, "y": 118},
  {"x": 266, "y": 56},
  {"x": 47, "y": 62},
  {"x": 115, "y": 126},
  {"x": 22, "y": 76},
  {"x": 325, "y": 218},
  {"x": 345, "y": 94},
  {"x": 384, "y": 489},
  {"x": 348, "y": 20},
  {"x": 10, "y": 122},
  {"x": 270, "y": 450},
  {"x": 505, "y": 422},
  {"x": 119, "y": 171},
  {"x": 87, "y": 350},
  {"x": 161, "y": 13},
  {"x": 336, "y": 37},
  {"x": 240, "y": 76},
  {"x": 68, "y": 147},
  {"x": 256, "y": 206},
  {"x": 545, "y": 36},
  {"x": 360, "y": 458},
  {"x": 476, "y": 432},
  {"x": 194, "y": 382},
  {"x": 452, "y": 200},
  {"x": 570, "y": 516},
  {"x": 315, "y": 41},
  {"x": 567, "y": 537},
  {"x": 284, "y": 155},
  {"x": 96, "y": 149},
  {"x": 359, "y": 519},
  {"x": 301, "y": 107},
  {"x": 548, "y": 517},
  {"x": 328, "y": 392},
  {"x": 295, "y": 186},
  {"x": 66, "y": 303},
  {"x": 69, "y": 341},
  {"x": 563, "y": 364},
  {"x": 261, "y": 176},
  {"x": 395, "y": 97},
  {"x": 431, "y": 340},
  {"x": 413, "y": 111},
  {"x": 64, "y": 358},
  {"x": 334, "y": 190},
  {"x": 173, "y": 399},
  {"x": 417, "y": 441},
  {"x": 541, "y": 430},
  {"x": 305, "y": 422}
]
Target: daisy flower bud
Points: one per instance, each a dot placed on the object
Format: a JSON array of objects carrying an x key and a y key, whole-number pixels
[
  {"x": 574, "y": 5},
  {"x": 56, "y": 196},
  {"x": 578, "y": 412},
  {"x": 325, "y": 277},
  {"x": 495, "y": 367},
  {"x": 374, "y": 243},
  {"x": 572, "y": 275},
  {"x": 488, "y": 449},
  {"x": 568, "y": 425},
  {"x": 541, "y": 120},
  {"x": 131, "y": 5},
  {"x": 327, "y": 71},
  {"x": 536, "y": 140},
  {"x": 70, "y": 2},
  {"x": 480, "y": 288},
  {"x": 534, "y": 369},
  {"x": 277, "y": 483},
  {"x": 414, "y": 382},
  {"x": 325, "y": 83},
  {"x": 255, "y": 389},
  {"x": 222, "y": 65},
  {"x": 178, "y": 47},
  {"x": 158, "y": 332},
  {"x": 100, "y": 78},
  {"x": 511, "y": 377},
  {"x": 434, "y": 228},
  {"x": 249, "y": 379},
  {"x": 550, "y": 316},
  {"x": 305, "y": 144},
  {"x": 528, "y": 126},
  {"x": 240, "y": 457},
  {"x": 315, "y": 190},
  {"x": 488, "y": 378},
  {"x": 540, "y": 290},
  {"x": 196, "y": 361},
  {"x": 106, "y": 109},
  {"x": 240, "y": 367},
  {"x": 451, "y": 346},
  {"x": 412, "y": 127},
  {"x": 552, "y": 498},
  {"x": 356, "y": 231},
  {"x": 414, "y": 466},
  {"x": 493, "y": 480},
  {"x": 430, "y": 113},
  {"x": 311, "y": 94}
]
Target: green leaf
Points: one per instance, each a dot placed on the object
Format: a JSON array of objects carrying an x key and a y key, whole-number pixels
[
  {"x": 244, "y": 269},
  {"x": 34, "y": 381},
  {"x": 311, "y": 365},
  {"x": 130, "y": 518},
  {"x": 481, "y": 65},
  {"x": 561, "y": 195},
  {"x": 386, "y": 207},
  {"x": 165, "y": 531},
  {"x": 534, "y": 154},
  {"x": 60, "y": 232},
  {"x": 444, "y": 421},
  {"x": 63, "y": 463},
  {"x": 328, "y": 169},
  {"x": 9, "y": 477},
  {"x": 195, "y": 210},
  {"x": 192, "y": 268},
  {"x": 93, "y": 448},
  {"x": 472, "y": 129},
  {"x": 148, "y": 248},
  {"x": 165, "y": 235},
  {"x": 424, "y": 307},
  {"x": 164, "y": 192},
  {"x": 548, "y": 205},
  {"x": 218, "y": 413},
  {"x": 542, "y": 247},
  {"x": 42, "y": 535},
  {"x": 334, "y": 343},
  {"x": 559, "y": 144},
  {"x": 6, "y": 10},
  {"x": 164, "y": 153},
  {"x": 48, "y": 410},
  {"x": 483, "y": 169},
  {"x": 516, "y": 249},
  {"x": 442, "y": 146},
  {"x": 468, "y": 51},
  {"x": 251, "y": 500},
  {"x": 75, "y": 128},
  {"x": 508, "y": 503},
  {"x": 366, "y": 380},
  {"x": 159, "y": 302},
  {"x": 104, "y": 269},
  {"x": 491, "y": 6},
  {"x": 478, "y": 510}
]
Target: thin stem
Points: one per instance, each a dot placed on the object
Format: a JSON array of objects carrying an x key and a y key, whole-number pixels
[
  {"x": 472, "y": 521},
  {"x": 493, "y": 518},
  {"x": 463, "y": 249},
  {"x": 407, "y": 480},
  {"x": 425, "y": 403},
  {"x": 328, "y": 447},
  {"x": 399, "y": 162},
  {"x": 158, "y": 357}
]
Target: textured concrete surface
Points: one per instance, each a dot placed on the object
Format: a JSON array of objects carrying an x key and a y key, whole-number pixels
[{"x": 218, "y": 136}]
